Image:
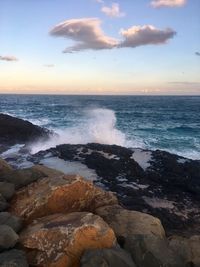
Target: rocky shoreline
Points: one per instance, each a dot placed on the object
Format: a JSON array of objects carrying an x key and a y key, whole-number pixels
[{"x": 134, "y": 207}]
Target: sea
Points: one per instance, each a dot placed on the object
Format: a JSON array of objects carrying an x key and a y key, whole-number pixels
[{"x": 170, "y": 123}]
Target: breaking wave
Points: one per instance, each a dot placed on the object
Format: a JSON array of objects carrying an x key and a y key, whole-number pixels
[{"x": 99, "y": 126}]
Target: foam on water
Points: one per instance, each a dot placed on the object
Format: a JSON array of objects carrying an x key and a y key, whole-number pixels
[{"x": 99, "y": 127}]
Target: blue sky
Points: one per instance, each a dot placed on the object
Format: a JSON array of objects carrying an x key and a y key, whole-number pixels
[{"x": 158, "y": 60}]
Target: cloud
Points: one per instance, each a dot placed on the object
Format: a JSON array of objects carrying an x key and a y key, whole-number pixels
[
  {"x": 145, "y": 35},
  {"x": 113, "y": 11},
  {"x": 168, "y": 3},
  {"x": 88, "y": 34},
  {"x": 8, "y": 58},
  {"x": 49, "y": 65},
  {"x": 100, "y": 1},
  {"x": 197, "y": 53}
]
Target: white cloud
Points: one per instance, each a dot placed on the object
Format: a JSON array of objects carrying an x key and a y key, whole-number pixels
[
  {"x": 145, "y": 35},
  {"x": 87, "y": 34},
  {"x": 100, "y": 1},
  {"x": 168, "y": 3},
  {"x": 8, "y": 58},
  {"x": 113, "y": 11}
]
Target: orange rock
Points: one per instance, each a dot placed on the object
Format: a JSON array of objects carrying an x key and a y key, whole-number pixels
[
  {"x": 58, "y": 194},
  {"x": 60, "y": 240}
]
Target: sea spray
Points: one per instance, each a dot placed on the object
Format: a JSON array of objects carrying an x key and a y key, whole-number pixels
[{"x": 99, "y": 126}]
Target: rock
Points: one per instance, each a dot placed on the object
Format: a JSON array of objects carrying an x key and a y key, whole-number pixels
[
  {"x": 159, "y": 183},
  {"x": 59, "y": 194},
  {"x": 127, "y": 223},
  {"x": 8, "y": 219},
  {"x": 4, "y": 168},
  {"x": 17, "y": 131},
  {"x": 23, "y": 177},
  {"x": 46, "y": 171},
  {"x": 59, "y": 240},
  {"x": 8, "y": 238},
  {"x": 114, "y": 257},
  {"x": 7, "y": 190},
  {"x": 152, "y": 251},
  {"x": 13, "y": 258},
  {"x": 187, "y": 248},
  {"x": 3, "y": 204}
]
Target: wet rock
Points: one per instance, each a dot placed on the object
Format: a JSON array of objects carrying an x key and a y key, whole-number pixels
[
  {"x": 126, "y": 223},
  {"x": 159, "y": 183},
  {"x": 8, "y": 238},
  {"x": 114, "y": 257},
  {"x": 60, "y": 240},
  {"x": 8, "y": 219},
  {"x": 13, "y": 258},
  {"x": 187, "y": 248},
  {"x": 152, "y": 251},
  {"x": 59, "y": 194},
  {"x": 3, "y": 204},
  {"x": 17, "y": 131},
  {"x": 7, "y": 190},
  {"x": 4, "y": 168}
]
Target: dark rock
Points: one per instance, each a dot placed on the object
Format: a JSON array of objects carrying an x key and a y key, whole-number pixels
[
  {"x": 164, "y": 185},
  {"x": 7, "y": 190},
  {"x": 17, "y": 131},
  {"x": 3, "y": 203},
  {"x": 8, "y": 238},
  {"x": 13, "y": 258},
  {"x": 4, "y": 167},
  {"x": 187, "y": 248},
  {"x": 152, "y": 251},
  {"x": 114, "y": 257},
  {"x": 8, "y": 219},
  {"x": 22, "y": 177}
]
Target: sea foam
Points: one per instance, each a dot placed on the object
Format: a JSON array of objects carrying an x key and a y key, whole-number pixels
[{"x": 99, "y": 126}]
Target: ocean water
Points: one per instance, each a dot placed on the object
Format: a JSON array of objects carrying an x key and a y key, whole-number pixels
[{"x": 171, "y": 123}]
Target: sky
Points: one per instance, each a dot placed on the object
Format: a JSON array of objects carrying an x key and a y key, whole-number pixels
[{"x": 100, "y": 47}]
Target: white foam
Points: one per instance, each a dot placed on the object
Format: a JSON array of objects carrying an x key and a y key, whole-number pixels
[
  {"x": 70, "y": 167},
  {"x": 12, "y": 152},
  {"x": 159, "y": 203},
  {"x": 99, "y": 126},
  {"x": 142, "y": 157}
]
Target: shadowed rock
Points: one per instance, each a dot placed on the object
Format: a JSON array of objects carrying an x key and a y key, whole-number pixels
[
  {"x": 8, "y": 238},
  {"x": 17, "y": 131},
  {"x": 59, "y": 240},
  {"x": 114, "y": 257},
  {"x": 13, "y": 258},
  {"x": 8, "y": 219}
]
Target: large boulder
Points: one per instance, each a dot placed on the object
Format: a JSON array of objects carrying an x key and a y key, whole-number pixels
[
  {"x": 152, "y": 251},
  {"x": 60, "y": 240},
  {"x": 7, "y": 190},
  {"x": 8, "y": 238},
  {"x": 127, "y": 223},
  {"x": 187, "y": 248},
  {"x": 17, "y": 131},
  {"x": 13, "y": 258},
  {"x": 58, "y": 194},
  {"x": 114, "y": 257},
  {"x": 8, "y": 219}
]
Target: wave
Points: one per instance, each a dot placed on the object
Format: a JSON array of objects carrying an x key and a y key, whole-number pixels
[{"x": 99, "y": 126}]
